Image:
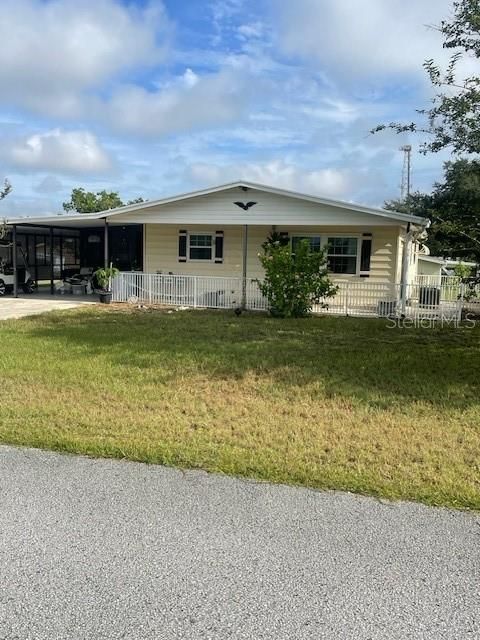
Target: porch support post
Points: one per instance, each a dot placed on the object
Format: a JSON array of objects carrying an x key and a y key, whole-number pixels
[
  {"x": 52, "y": 273},
  {"x": 244, "y": 266},
  {"x": 105, "y": 245},
  {"x": 404, "y": 272},
  {"x": 14, "y": 261}
]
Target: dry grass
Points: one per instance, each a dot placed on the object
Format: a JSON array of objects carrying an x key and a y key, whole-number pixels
[{"x": 325, "y": 402}]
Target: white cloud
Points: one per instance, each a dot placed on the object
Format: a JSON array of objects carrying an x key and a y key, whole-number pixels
[
  {"x": 367, "y": 37},
  {"x": 49, "y": 184},
  {"x": 223, "y": 12},
  {"x": 192, "y": 102},
  {"x": 331, "y": 109},
  {"x": 328, "y": 182},
  {"x": 251, "y": 30},
  {"x": 190, "y": 78},
  {"x": 62, "y": 151},
  {"x": 53, "y": 52}
]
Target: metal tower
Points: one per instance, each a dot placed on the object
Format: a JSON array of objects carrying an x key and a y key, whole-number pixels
[{"x": 406, "y": 172}]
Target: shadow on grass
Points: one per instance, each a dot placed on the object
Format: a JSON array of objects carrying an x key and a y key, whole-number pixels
[{"x": 361, "y": 358}]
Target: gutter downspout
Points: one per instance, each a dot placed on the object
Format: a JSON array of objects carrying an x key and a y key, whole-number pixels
[
  {"x": 412, "y": 233},
  {"x": 405, "y": 262}
]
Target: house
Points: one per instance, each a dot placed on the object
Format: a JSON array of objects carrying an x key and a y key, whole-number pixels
[
  {"x": 215, "y": 231},
  {"x": 218, "y": 233}
]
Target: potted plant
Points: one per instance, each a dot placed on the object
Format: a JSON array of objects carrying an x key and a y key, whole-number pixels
[{"x": 103, "y": 278}]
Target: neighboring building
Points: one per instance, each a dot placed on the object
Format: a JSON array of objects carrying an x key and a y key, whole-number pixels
[
  {"x": 430, "y": 265},
  {"x": 437, "y": 268}
]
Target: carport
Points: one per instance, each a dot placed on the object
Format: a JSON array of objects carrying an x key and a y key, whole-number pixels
[{"x": 55, "y": 249}]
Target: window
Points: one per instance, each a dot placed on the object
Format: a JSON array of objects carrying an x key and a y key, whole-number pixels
[
  {"x": 200, "y": 246},
  {"x": 342, "y": 255},
  {"x": 314, "y": 242}
]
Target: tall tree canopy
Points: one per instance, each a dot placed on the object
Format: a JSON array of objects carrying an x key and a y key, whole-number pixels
[
  {"x": 83, "y": 201},
  {"x": 453, "y": 120},
  {"x": 453, "y": 209}
]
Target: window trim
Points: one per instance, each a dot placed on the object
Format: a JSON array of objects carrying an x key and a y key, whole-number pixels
[
  {"x": 324, "y": 243},
  {"x": 212, "y": 235},
  {"x": 304, "y": 236},
  {"x": 358, "y": 256}
]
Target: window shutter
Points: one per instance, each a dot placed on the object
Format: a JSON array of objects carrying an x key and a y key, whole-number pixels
[
  {"x": 218, "y": 246},
  {"x": 182, "y": 246},
  {"x": 366, "y": 255}
]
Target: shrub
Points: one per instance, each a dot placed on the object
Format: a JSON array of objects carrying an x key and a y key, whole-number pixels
[
  {"x": 462, "y": 270},
  {"x": 294, "y": 281},
  {"x": 103, "y": 277}
]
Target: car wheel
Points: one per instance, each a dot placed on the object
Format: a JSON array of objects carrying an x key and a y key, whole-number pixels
[
  {"x": 29, "y": 286},
  {"x": 3, "y": 288}
]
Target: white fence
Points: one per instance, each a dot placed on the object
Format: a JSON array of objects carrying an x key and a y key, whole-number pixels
[
  {"x": 188, "y": 291},
  {"x": 354, "y": 298},
  {"x": 438, "y": 281}
]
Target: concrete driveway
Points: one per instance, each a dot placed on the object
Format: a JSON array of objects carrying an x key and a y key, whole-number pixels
[
  {"x": 31, "y": 305},
  {"x": 106, "y": 549}
]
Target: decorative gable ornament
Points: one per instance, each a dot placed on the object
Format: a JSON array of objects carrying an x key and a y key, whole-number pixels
[{"x": 245, "y": 206}]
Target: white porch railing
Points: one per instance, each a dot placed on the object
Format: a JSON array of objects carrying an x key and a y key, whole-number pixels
[
  {"x": 178, "y": 290},
  {"x": 354, "y": 298}
]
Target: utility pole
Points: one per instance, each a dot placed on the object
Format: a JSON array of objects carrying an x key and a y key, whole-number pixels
[{"x": 406, "y": 174}]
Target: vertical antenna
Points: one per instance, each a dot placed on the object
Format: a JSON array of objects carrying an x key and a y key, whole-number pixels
[{"x": 406, "y": 174}]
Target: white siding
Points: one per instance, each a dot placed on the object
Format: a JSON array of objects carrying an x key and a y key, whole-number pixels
[
  {"x": 219, "y": 208},
  {"x": 161, "y": 249}
]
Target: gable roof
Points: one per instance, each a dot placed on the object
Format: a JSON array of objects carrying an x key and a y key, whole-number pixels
[{"x": 392, "y": 215}]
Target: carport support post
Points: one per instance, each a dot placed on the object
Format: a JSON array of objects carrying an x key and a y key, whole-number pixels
[
  {"x": 14, "y": 261},
  {"x": 52, "y": 272},
  {"x": 105, "y": 245},
  {"x": 244, "y": 266}
]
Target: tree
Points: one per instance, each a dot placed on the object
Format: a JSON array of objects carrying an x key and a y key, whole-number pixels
[
  {"x": 83, "y": 201},
  {"x": 453, "y": 210},
  {"x": 453, "y": 120},
  {"x": 294, "y": 281},
  {"x": 7, "y": 187}
]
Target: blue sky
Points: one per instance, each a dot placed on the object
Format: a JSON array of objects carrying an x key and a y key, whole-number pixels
[{"x": 154, "y": 98}]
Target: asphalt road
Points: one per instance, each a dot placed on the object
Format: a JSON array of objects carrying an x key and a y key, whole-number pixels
[{"x": 105, "y": 549}]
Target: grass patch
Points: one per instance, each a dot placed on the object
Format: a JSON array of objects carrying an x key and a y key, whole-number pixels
[{"x": 334, "y": 403}]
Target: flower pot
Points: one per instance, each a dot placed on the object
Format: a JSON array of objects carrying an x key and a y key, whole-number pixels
[{"x": 105, "y": 297}]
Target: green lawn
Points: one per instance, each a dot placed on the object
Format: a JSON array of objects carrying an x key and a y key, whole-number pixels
[{"x": 324, "y": 402}]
